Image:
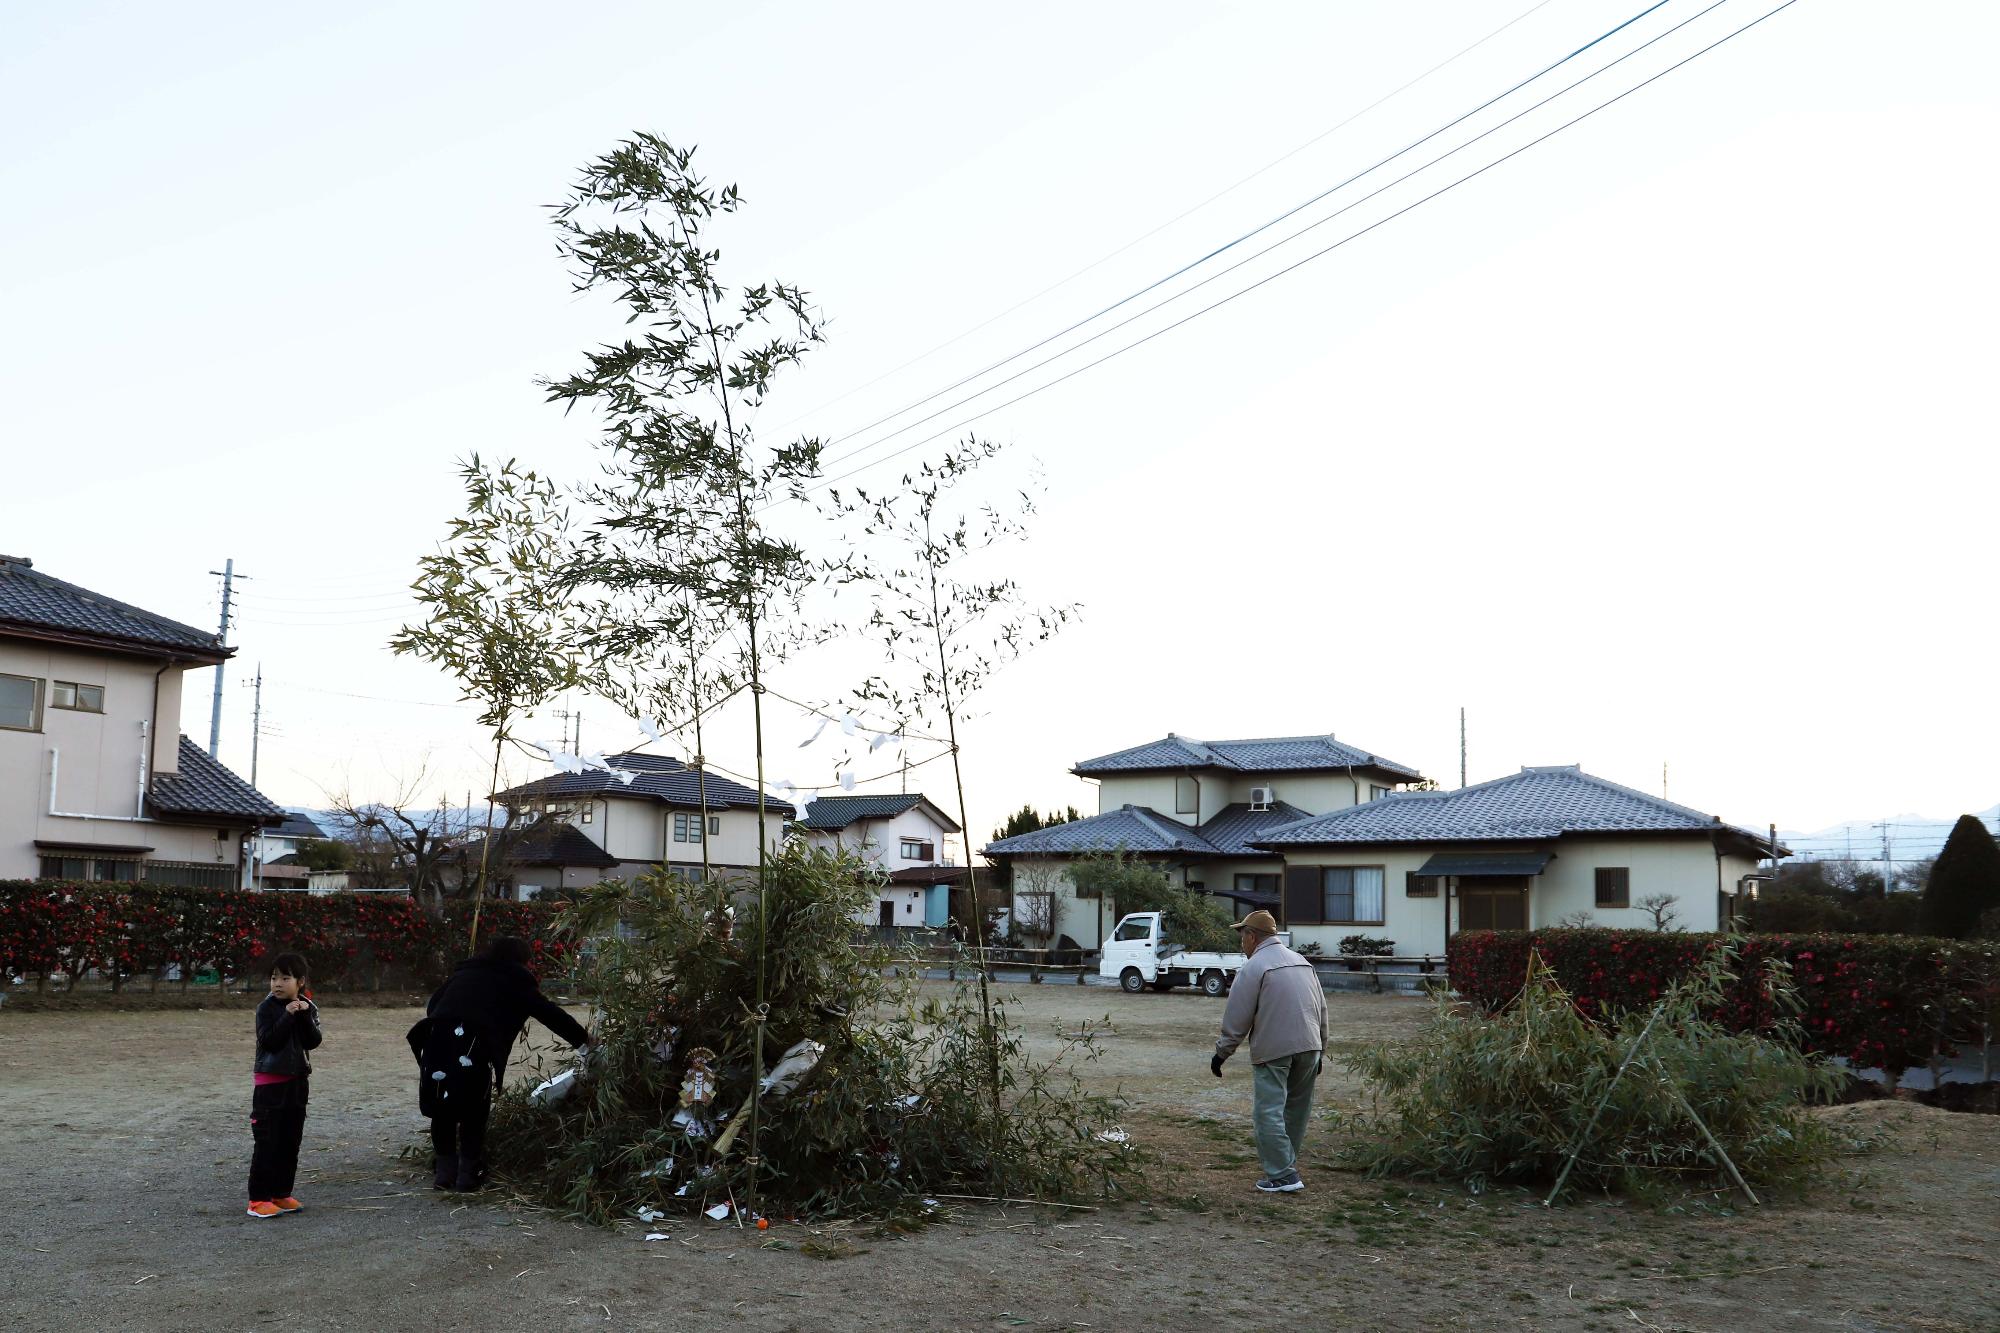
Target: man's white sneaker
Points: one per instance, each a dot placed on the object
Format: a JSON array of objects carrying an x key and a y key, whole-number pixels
[{"x": 1289, "y": 1183}]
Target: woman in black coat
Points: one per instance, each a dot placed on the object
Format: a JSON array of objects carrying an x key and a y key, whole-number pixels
[{"x": 463, "y": 1046}]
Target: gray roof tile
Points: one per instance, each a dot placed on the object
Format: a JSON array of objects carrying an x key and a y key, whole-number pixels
[
  {"x": 30, "y": 600},
  {"x": 828, "y": 813},
  {"x": 560, "y": 845},
  {"x": 204, "y": 787},
  {"x": 1535, "y": 804},
  {"x": 660, "y": 778},
  {"x": 1130, "y": 828},
  {"x": 1273, "y": 754},
  {"x": 1233, "y": 826}
]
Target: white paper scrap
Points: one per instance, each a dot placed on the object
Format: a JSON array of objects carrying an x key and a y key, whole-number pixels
[
  {"x": 658, "y": 1235},
  {"x": 720, "y": 1212}
]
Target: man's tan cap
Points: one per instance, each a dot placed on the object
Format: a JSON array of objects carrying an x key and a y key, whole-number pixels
[{"x": 1258, "y": 921}]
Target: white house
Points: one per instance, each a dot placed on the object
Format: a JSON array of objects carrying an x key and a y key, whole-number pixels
[
  {"x": 902, "y": 840},
  {"x": 1539, "y": 847},
  {"x": 597, "y": 827},
  {"x": 1197, "y": 809},
  {"x": 96, "y": 781}
]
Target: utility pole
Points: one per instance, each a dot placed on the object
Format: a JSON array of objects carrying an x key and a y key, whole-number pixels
[
  {"x": 1461, "y": 745},
  {"x": 1663, "y": 779},
  {"x": 256, "y": 733},
  {"x": 1887, "y": 864},
  {"x": 229, "y": 577}
]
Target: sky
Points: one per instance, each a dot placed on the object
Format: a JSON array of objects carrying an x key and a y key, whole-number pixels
[{"x": 1663, "y": 446}]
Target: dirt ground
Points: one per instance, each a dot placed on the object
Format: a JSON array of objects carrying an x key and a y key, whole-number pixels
[{"x": 126, "y": 1144}]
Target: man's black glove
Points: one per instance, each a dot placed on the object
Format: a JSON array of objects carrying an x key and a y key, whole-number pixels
[{"x": 1215, "y": 1065}]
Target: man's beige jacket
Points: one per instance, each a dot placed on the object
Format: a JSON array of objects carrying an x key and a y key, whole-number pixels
[{"x": 1278, "y": 1003}]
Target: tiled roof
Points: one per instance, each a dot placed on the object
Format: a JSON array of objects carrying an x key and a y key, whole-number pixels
[
  {"x": 1231, "y": 830},
  {"x": 1532, "y": 805},
  {"x": 828, "y": 813},
  {"x": 668, "y": 781},
  {"x": 204, "y": 787},
  {"x": 1274, "y": 754},
  {"x": 33, "y": 601},
  {"x": 298, "y": 824},
  {"x": 1130, "y": 828},
  {"x": 560, "y": 845}
]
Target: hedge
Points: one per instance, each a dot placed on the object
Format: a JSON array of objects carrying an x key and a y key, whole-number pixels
[
  {"x": 1879, "y": 1001},
  {"x": 50, "y": 927}
]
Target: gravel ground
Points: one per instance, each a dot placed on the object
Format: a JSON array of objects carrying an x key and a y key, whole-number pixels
[{"x": 126, "y": 1147}]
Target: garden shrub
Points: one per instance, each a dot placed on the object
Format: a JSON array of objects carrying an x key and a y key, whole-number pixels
[
  {"x": 52, "y": 926},
  {"x": 899, "y": 1106},
  {"x": 1502, "y": 1099},
  {"x": 1879, "y": 1001}
]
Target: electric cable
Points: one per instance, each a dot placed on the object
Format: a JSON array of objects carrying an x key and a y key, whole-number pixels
[
  {"x": 1255, "y": 231},
  {"x": 1289, "y": 268}
]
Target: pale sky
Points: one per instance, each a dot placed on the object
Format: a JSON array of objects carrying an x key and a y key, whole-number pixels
[{"x": 1666, "y": 442}]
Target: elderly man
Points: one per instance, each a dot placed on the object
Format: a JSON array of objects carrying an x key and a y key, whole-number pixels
[{"x": 1278, "y": 1003}]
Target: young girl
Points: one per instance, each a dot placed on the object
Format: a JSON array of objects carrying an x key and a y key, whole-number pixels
[{"x": 287, "y": 1027}]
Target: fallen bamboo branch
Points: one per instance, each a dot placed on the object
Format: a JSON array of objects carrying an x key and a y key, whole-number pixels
[{"x": 1039, "y": 1203}]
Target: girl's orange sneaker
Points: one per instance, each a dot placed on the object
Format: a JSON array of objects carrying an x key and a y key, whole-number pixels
[
  {"x": 263, "y": 1208},
  {"x": 288, "y": 1204}
]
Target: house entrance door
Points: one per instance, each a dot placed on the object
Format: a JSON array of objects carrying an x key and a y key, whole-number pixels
[
  {"x": 1496, "y": 902},
  {"x": 887, "y": 916}
]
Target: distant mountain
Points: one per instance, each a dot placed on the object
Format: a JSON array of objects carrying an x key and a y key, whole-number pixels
[{"x": 1909, "y": 837}]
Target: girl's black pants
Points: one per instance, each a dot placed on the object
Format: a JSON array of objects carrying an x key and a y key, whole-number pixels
[{"x": 277, "y": 1124}]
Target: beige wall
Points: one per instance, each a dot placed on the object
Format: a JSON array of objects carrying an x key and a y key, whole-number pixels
[
  {"x": 1683, "y": 867},
  {"x": 1314, "y": 793},
  {"x": 98, "y": 763}
]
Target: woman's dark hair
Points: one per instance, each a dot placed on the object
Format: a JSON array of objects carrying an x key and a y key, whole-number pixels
[
  {"x": 509, "y": 949},
  {"x": 291, "y": 965}
]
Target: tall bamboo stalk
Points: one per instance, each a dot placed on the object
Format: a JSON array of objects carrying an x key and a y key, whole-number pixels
[{"x": 987, "y": 1034}]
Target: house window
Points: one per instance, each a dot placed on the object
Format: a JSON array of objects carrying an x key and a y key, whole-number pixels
[
  {"x": 20, "y": 703},
  {"x": 1419, "y": 886},
  {"x": 1187, "y": 796},
  {"x": 1257, "y": 883},
  {"x": 109, "y": 869},
  {"x": 1614, "y": 886},
  {"x": 1376, "y": 793},
  {"x": 1352, "y": 895},
  {"x": 687, "y": 828},
  {"x": 83, "y": 698},
  {"x": 715, "y": 824},
  {"x": 589, "y": 813},
  {"x": 917, "y": 849}
]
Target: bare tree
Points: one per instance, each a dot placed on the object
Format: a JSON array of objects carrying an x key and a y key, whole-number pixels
[
  {"x": 1037, "y": 909},
  {"x": 1664, "y": 908}
]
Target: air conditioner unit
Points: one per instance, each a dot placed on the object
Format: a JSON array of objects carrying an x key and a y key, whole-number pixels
[{"x": 1260, "y": 798}]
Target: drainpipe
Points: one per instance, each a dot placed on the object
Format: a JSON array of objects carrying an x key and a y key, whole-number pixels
[
  {"x": 55, "y": 772},
  {"x": 1355, "y": 783}
]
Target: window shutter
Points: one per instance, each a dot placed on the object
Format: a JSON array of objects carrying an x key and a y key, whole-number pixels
[{"x": 1302, "y": 895}]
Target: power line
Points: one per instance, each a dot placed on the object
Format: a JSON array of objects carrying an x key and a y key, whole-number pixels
[
  {"x": 1177, "y": 218},
  {"x": 1255, "y": 231},
  {"x": 1290, "y": 268}
]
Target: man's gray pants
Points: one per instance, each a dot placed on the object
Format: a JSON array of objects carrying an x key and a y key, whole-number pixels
[{"x": 1281, "y": 1102}]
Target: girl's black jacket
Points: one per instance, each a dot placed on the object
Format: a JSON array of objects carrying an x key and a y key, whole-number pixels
[{"x": 283, "y": 1038}]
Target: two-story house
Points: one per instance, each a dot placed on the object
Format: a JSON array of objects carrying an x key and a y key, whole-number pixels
[
  {"x": 1197, "y": 809},
  {"x": 901, "y": 839},
  {"x": 594, "y": 826},
  {"x": 96, "y": 780}
]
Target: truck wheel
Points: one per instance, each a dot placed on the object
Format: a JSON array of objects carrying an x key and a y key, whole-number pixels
[
  {"x": 1130, "y": 981},
  {"x": 1212, "y": 983}
]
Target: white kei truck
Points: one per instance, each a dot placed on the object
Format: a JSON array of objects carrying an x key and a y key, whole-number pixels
[{"x": 1139, "y": 955}]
